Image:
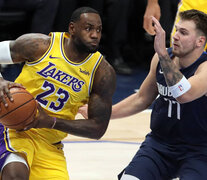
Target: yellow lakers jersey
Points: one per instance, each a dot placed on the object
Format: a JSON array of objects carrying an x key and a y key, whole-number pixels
[
  {"x": 192, "y": 4},
  {"x": 58, "y": 84}
]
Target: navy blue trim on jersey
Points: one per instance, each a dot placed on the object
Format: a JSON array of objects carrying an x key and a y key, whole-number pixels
[
  {"x": 30, "y": 63},
  {"x": 63, "y": 54},
  {"x": 5, "y": 148}
]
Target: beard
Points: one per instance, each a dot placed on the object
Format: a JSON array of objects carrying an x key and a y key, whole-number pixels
[
  {"x": 84, "y": 47},
  {"x": 182, "y": 53}
]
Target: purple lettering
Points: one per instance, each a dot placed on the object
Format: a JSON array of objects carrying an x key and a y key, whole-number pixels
[{"x": 44, "y": 71}]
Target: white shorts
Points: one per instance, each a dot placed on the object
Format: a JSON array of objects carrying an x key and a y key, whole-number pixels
[{"x": 14, "y": 158}]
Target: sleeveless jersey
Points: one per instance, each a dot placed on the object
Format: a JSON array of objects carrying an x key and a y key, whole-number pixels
[
  {"x": 58, "y": 84},
  {"x": 179, "y": 123}
]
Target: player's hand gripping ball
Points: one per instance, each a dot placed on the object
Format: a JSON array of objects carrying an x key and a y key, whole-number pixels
[{"x": 20, "y": 112}]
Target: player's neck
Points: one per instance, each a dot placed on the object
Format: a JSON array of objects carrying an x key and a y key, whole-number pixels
[
  {"x": 72, "y": 53},
  {"x": 188, "y": 59}
]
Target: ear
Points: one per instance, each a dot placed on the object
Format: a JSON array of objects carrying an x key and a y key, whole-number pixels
[
  {"x": 71, "y": 28},
  {"x": 201, "y": 41}
]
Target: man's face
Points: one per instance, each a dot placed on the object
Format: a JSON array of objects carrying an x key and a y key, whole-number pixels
[
  {"x": 87, "y": 32},
  {"x": 184, "y": 40}
]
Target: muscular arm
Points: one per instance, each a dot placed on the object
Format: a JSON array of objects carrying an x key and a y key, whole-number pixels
[
  {"x": 29, "y": 47},
  {"x": 141, "y": 100},
  {"x": 99, "y": 106},
  {"x": 171, "y": 72}
]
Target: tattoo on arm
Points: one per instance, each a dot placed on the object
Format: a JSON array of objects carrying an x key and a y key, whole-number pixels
[
  {"x": 171, "y": 72},
  {"x": 107, "y": 82},
  {"x": 29, "y": 47}
]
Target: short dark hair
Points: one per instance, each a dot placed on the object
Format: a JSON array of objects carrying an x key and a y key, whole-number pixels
[
  {"x": 77, "y": 13},
  {"x": 199, "y": 18}
]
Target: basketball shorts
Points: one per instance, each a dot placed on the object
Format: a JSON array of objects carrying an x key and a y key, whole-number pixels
[
  {"x": 45, "y": 160},
  {"x": 156, "y": 161}
]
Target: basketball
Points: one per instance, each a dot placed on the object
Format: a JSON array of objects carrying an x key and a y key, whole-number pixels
[{"x": 20, "y": 112}]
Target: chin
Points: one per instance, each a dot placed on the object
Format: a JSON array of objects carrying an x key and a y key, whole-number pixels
[
  {"x": 93, "y": 49},
  {"x": 175, "y": 53}
]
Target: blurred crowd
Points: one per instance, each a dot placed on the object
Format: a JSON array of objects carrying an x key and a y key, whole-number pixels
[{"x": 125, "y": 44}]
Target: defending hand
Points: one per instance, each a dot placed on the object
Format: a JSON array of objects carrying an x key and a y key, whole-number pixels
[
  {"x": 159, "y": 41},
  {"x": 83, "y": 110}
]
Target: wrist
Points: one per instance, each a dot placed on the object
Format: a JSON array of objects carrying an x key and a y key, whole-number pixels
[
  {"x": 180, "y": 88},
  {"x": 54, "y": 122},
  {"x": 163, "y": 54},
  {"x": 152, "y": 1}
]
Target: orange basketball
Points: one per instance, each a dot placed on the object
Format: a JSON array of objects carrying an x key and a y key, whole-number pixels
[{"x": 20, "y": 112}]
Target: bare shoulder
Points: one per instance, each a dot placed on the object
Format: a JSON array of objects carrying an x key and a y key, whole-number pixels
[
  {"x": 29, "y": 47},
  {"x": 154, "y": 63},
  {"x": 105, "y": 67},
  {"x": 105, "y": 79},
  {"x": 202, "y": 68}
]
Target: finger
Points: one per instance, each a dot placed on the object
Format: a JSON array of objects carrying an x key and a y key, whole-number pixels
[
  {"x": 154, "y": 20},
  {"x": 8, "y": 94},
  {"x": 3, "y": 99},
  {"x": 156, "y": 23},
  {"x": 12, "y": 84},
  {"x": 148, "y": 25},
  {"x": 39, "y": 107}
]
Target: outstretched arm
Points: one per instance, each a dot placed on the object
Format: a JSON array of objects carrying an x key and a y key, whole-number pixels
[{"x": 141, "y": 100}]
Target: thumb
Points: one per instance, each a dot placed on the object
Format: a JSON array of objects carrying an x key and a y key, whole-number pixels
[{"x": 39, "y": 107}]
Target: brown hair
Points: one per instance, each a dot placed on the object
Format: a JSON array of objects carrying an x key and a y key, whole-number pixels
[{"x": 199, "y": 18}]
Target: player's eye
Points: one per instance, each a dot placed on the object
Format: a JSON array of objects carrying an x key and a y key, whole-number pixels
[
  {"x": 183, "y": 32},
  {"x": 98, "y": 30}
]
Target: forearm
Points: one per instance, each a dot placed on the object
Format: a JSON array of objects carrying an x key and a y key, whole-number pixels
[
  {"x": 152, "y": 1},
  {"x": 129, "y": 106},
  {"x": 88, "y": 128},
  {"x": 171, "y": 72},
  {"x": 176, "y": 81}
]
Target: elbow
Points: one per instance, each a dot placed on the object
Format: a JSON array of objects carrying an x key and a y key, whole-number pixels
[
  {"x": 98, "y": 137},
  {"x": 181, "y": 101},
  {"x": 100, "y": 131},
  {"x": 184, "y": 99},
  {"x": 99, "y": 134}
]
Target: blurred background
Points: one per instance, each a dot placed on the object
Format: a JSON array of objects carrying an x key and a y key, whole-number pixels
[{"x": 125, "y": 44}]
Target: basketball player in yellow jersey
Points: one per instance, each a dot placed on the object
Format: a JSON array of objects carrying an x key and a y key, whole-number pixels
[
  {"x": 153, "y": 9},
  {"x": 63, "y": 71}
]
